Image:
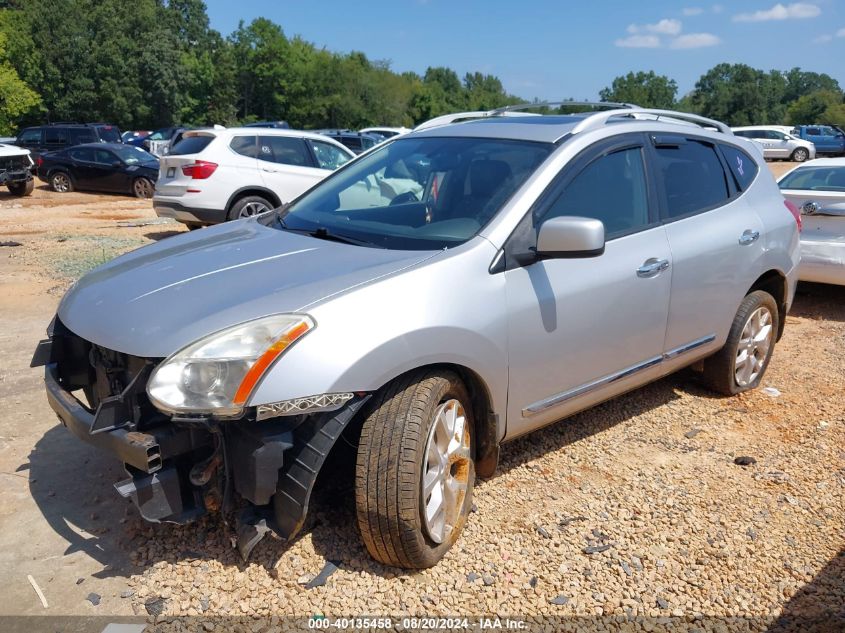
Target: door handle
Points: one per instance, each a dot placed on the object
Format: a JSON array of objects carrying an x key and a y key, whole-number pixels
[
  {"x": 652, "y": 267},
  {"x": 748, "y": 237}
]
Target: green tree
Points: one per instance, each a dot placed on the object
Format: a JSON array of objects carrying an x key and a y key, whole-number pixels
[
  {"x": 16, "y": 97},
  {"x": 646, "y": 89},
  {"x": 739, "y": 95},
  {"x": 822, "y": 106}
]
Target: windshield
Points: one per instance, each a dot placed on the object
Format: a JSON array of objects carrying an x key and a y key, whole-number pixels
[
  {"x": 417, "y": 193},
  {"x": 815, "y": 179},
  {"x": 132, "y": 155},
  {"x": 109, "y": 134}
]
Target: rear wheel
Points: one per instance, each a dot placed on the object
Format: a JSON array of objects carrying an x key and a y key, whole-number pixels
[
  {"x": 60, "y": 181},
  {"x": 742, "y": 362},
  {"x": 143, "y": 188},
  {"x": 415, "y": 470},
  {"x": 24, "y": 188},
  {"x": 800, "y": 155},
  {"x": 248, "y": 206}
]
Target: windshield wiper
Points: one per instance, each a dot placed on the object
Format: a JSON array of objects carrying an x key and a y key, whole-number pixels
[{"x": 323, "y": 233}]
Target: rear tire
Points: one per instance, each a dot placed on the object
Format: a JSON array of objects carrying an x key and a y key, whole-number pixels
[
  {"x": 21, "y": 189},
  {"x": 800, "y": 154},
  {"x": 742, "y": 362},
  {"x": 61, "y": 182},
  {"x": 415, "y": 469},
  {"x": 249, "y": 206}
]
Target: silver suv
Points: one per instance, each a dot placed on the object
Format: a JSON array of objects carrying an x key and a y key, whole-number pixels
[{"x": 449, "y": 291}]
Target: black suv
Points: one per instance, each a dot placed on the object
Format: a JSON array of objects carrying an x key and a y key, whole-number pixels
[{"x": 49, "y": 138}]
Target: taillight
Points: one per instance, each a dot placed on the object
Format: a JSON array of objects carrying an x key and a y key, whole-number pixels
[
  {"x": 796, "y": 213},
  {"x": 200, "y": 170},
  {"x": 39, "y": 161}
]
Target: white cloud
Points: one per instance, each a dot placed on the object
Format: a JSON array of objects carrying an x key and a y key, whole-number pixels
[
  {"x": 639, "y": 41},
  {"x": 840, "y": 33},
  {"x": 717, "y": 8},
  {"x": 795, "y": 11},
  {"x": 666, "y": 26},
  {"x": 821, "y": 39},
  {"x": 691, "y": 11},
  {"x": 695, "y": 40}
]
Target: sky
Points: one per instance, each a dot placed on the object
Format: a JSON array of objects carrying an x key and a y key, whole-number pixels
[{"x": 559, "y": 50}]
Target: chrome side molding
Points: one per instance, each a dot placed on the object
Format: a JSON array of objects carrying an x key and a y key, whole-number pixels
[{"x": 560, "y": 398}]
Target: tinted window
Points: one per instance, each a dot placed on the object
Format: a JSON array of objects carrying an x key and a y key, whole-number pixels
[
  {"x": 193, "y": 145},
  {"x": 283, "y": 149},
  {"x": 32, "y": 137},
  {"x": 55, "y": 136},
  {"x": 744, "y": 169},
  {"x": 692, "y": 175},
  {"x": 815, "y": 179},
  {"x": 245, "y": 146},
  {"x": 109, "y": 134},
  {"x": 813, "y": 131},
  {"x": 352, "y": 142},
  {"x": 611, "y": 189},
  {"x": 132, "y": 155},
  {"x": 82, "y": 135},
  {"x": 328, "y": 156},
  {"x": 104, "y": 157},
  {"x": 82, "y": 153}
]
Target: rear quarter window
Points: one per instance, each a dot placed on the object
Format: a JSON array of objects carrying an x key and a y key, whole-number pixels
[
  {"x": 191, "y": 145},
  {"x": 743, "y": 168}
]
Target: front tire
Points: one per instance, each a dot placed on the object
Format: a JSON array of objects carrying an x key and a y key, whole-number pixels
[
  {"x": 800, "y": 155},
  {"x": 21, "y": 189},
  {"x": 740, "y": 365},
  {"x": 143, "y": 188},
  {"x": 415, "y": 469}
]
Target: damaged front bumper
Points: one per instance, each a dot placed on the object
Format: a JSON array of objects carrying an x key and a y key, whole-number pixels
[{"x": 180, "y": 468}]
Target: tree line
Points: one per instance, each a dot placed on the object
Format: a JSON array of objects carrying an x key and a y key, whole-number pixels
[{"x": 151, "y": 63}]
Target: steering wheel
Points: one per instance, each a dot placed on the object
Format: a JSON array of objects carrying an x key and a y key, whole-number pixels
[{"x": 403, "y": 198}]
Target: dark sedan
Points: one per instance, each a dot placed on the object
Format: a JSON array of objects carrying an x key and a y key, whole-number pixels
[{"x": 109, "y": 167}]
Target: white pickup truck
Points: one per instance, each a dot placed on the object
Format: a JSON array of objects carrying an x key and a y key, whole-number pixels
[{"x": 16, "y": 170}]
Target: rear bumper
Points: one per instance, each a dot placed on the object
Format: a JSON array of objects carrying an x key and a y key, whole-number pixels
[
  {"x": 822, "y": 262},
  {"x": 165, "y": 208}
]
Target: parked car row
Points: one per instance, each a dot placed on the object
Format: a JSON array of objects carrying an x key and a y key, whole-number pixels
[{"x": 804, "y": 142}]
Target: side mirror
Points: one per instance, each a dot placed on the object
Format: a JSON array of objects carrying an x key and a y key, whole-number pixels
[
  {"x": 570, "y": 237},
  {"x": 117, "y": 164}
]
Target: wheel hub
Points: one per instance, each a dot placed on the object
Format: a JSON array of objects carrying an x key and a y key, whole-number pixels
[{"x": 446, "y": 471}]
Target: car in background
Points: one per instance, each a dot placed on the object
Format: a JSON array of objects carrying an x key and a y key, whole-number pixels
[
  {"x": 160, "y": 141},
  {"x": 16, "y": 169},
  {"x": 108, "y": 167},
  {"x": 214, "y": 175},
  {"x": 132, "y": 135},
  {"x": 56, "y": 136},
  {"x": 777, "y": 144},
  {"x": 279, "y": 125},
  {"x": 817, "y": 188},
  {"x": 385, "y": 132},
  {"x": 358, "y": 142},
  {"x": 827, "y": 138}
]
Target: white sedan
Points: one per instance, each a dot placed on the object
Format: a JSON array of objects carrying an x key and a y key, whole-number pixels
[{"x": 817, "y": 188}]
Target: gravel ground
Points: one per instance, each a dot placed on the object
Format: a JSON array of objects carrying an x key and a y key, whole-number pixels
[{"x": 634, "y": 510}]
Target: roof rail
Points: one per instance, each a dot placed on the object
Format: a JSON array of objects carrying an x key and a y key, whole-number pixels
[
  {"x": 598, "y": 119},
  {"x": 562, "y": 104}
]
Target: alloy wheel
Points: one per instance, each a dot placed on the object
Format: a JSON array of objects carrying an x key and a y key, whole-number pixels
[
  {"x": 252, "y": 208},
  {"x": 753, "y": 348},
  {"x": 61, "y": 183},
  {"x": 446, "y": 470}
]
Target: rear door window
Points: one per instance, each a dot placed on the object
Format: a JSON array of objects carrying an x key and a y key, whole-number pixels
[
  {"x": 244, "y": 145},
  {"x": 191, "y": 145},
  {"x": 82, "y": 135},
  {"x": 693, "y": 178},
  {"x": 83, "y": 154},
  {"x": 743, "y": 168},
  {"x": 55, "y": 136},
  {"x": 285, "y": 150}
]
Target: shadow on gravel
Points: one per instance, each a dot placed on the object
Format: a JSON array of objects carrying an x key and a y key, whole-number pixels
[
  {"x": 819, "y": 606},
  {"x": 823, "y": 302},
  {"x": 72, "y": 484},
  {"x": 160, "y": 235}
]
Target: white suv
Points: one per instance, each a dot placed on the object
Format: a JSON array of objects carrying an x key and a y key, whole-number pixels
[
  {"x": 215, "y": 175},
  {"x": 777, "y": 143}
]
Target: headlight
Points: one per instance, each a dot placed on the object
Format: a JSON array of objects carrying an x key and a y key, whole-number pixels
[{"x": 218, "y": 373}]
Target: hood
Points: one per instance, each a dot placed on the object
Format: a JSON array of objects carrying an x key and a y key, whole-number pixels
[
  {"x": 12, "y": 150},
  {"x": 155, "y": 300}
]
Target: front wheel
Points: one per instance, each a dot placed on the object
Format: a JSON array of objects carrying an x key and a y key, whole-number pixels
[
  {"x": 800, "y": 155},
  {"x": 21, "y": 189},
  {"x": 742, "y": 362},
  {"x": 415, "y": 470},
  {"x": 143, "y": 188}
]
